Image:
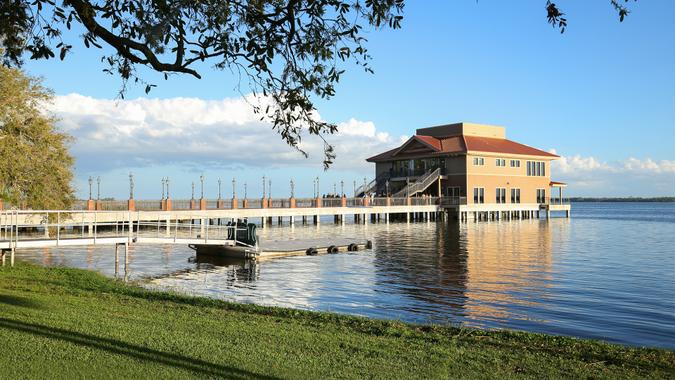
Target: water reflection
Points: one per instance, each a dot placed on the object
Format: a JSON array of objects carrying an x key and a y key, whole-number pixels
[{"x": 580, "y": 276}]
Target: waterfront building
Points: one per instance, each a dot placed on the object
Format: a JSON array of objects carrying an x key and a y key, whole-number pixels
[{"x": 468, "y": 164}]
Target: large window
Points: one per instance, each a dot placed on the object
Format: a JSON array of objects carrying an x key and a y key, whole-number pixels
[
  {"x": 478, "y": 161},
  {"x": 478, "y": 195},
  {"x": 541, "y": 196},
  {"x": 515, "y": 195},
  {"x": 500, "y": 162},
  {"x": 536, "y": 168},
  {"x": 515, "y": 163},
  {"x": 452, "y": 191},
  {"x": 500, "y": 195},
  {"x": 416, "y": 167}
]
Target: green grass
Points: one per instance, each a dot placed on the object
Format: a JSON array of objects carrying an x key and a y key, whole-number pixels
[{"x": 69, "y": 323}]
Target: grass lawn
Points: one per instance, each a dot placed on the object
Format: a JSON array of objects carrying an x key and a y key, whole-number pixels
[{"x": 70, "y": 323}]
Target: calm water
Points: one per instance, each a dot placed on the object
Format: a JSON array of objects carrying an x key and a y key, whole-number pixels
[{"x": 606, "y": 273}]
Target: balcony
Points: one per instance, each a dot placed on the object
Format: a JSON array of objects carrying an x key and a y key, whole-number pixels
[{"x": 411, "y": 173}]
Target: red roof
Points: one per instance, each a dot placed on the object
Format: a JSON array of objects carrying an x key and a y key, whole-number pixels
[
  {"x": 461, "y": 145},
  {"x": 489, "y": 144}
]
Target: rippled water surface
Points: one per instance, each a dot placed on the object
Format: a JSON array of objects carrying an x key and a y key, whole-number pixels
[{"x": 606, "y": 273}]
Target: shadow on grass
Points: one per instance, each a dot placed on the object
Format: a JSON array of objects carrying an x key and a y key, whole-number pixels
[
  {"x": 20, "y": 301},
  {"x": 137, "y": 352}
]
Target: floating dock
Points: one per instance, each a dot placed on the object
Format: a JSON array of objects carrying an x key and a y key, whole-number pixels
[{"x": 281, "y": 248}]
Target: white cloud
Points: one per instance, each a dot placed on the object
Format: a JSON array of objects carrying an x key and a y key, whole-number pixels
[
  {"x": 186, "y": 131},
  {"x": 632, "y": 176},
  {"x": 579, "y": 164}
]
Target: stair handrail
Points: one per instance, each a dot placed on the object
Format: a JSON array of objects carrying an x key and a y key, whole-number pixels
[{"x": 419, "y": 185}]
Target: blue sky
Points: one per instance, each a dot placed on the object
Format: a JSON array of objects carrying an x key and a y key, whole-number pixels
[{"x": 601, "y": 94}]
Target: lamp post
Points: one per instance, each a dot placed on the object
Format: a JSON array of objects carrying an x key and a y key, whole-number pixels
[
  {"x": 292, "y": 189},
  {"x": 342, "y": 188},
  {"x": 318, "y": 192},
  {"x": 219, "y": 193},
  {"x": 131, "y": 186},
  {"x": 91, "y": 180},
  {"x": 234, "y": 187},
  {"x": 98, "y": 188},
  {"x": 167, "y": 188},
  {"x": 314, "y": 187},
  {"x": 386, "y": 186},
  {"x": 193, "y": 190},
  {"x": 264, "y": 179},
  {"x": 269, "y": 188},
  {"x": 163, "y": 184},
  {"x": 201, "y": 179},
  {"x": 334, "y": 189}
]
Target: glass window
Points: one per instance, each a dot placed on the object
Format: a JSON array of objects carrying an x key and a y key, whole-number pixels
[
  {"x": 478, "y": 195},
  {"x": 515, "y": 195}
]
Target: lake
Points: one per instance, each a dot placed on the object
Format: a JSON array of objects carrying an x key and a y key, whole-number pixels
[{"x": 606, "y": 273}]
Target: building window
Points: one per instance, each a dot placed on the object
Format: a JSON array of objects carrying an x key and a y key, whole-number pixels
[
  {"x": 500, "y": 195},
  {"x": 536, "y": 168},
  {"x": 541, "y": 196},
  {"x": 515, "y": 163},
  {"x": 515, "y": 195},
  {"x": 452, "y": 191},
  {"x": 478, "y": 161},
  {"x": 500, "y": 162},
  {"x": 478, "y": 195}
]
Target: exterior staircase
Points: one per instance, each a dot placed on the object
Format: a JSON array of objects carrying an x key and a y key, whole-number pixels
[{"x": 421, "y": 184}]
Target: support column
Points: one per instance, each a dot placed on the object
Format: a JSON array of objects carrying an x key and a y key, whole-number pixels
[
  {"x": 117, "y": 259},
  {"x": 126, "y": 261}
]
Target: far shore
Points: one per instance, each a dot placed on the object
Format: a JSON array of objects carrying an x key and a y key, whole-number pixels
[{"x": 622, "y": 199}]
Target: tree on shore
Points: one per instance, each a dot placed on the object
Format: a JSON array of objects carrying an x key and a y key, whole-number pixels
[
  {"x": 288, "y": 51},
  {"x": 36, "y": 167}
]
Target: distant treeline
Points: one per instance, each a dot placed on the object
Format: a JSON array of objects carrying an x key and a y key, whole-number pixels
[{"x": 622, "y": 199}]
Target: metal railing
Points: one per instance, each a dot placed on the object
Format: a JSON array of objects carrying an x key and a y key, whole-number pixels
[
  {"x": 276, "y": 203},
  {"x": 556, "y": 201},
  {"x": 420, "y": 185},
  {"x": 452, "y": 201},
  {"x": 35, "y": 226}
]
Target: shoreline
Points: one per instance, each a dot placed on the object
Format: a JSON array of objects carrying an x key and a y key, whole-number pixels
[{"x": 61, "y": 321}]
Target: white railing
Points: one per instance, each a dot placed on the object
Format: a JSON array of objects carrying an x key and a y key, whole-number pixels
[
  {"x": 18, "y": 227},
  {"x": 420, "y": 185}
]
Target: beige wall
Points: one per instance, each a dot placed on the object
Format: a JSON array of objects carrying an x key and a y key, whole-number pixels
[{"x": 490, "y": 176}]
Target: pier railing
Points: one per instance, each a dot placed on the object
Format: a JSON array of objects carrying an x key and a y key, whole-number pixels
[
  {"x": 65, "y": 227},
  {"x": 557, "y": 201},
  {"x": 257, "y": 203}
]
